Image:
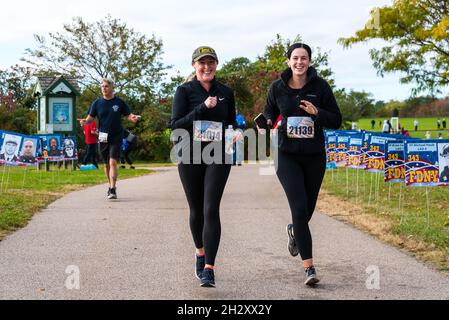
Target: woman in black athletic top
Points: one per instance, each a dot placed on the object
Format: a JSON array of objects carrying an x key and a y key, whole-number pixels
[
  {"x": 205, "y": 108},
  {"x": 305, "y": 104}
]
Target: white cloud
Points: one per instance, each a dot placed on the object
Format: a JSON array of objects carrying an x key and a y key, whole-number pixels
[{"x": 234, "y": 28}]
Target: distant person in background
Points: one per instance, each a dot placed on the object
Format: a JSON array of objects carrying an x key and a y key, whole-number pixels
[
  {"x": 428, "y": 136},
  {"x": 415, "y": 124},
  {"x": 239, "y": 147},
  {"x": 440, "y": 135},
  {"x": 128, "y": 143},
  {"x": 444, "y": 123},
  {"x": 380, "y": 124},
  {"x": 354, "y": 125},
  {"x": 439, "y": 124},
  {"x": 373, "y": 123},
  {"x": 91, "y": 138},
  {"x": 386, "y": 127}
]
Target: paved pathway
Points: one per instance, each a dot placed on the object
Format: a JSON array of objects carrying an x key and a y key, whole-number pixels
[{"x": 140, "y": 247}]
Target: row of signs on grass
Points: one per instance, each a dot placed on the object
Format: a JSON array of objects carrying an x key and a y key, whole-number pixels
[
  {"x": 18, "y": 149},
  {"x": 416, "y": 162}
]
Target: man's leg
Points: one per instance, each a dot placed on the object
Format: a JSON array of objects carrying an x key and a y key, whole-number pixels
[
  {"x": 113, "y": 172},
  {"x": 114, "y": 156},
  {"x": 106, "y": 172},
  {"x": 105, "y": 154}
]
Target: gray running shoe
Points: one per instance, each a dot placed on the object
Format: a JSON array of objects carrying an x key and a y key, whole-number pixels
[{"x": 311, "y": 278}]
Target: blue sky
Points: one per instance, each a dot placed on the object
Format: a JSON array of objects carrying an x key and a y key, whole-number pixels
[{"x": 234, "y": 28}]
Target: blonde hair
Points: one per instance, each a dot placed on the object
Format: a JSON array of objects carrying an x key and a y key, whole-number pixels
[{"x": 109, "y": 81}]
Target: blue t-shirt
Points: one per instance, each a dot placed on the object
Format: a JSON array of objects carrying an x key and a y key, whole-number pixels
[
  {"x": 241, "y": 123},
  {"x": 109, "y": 113}
]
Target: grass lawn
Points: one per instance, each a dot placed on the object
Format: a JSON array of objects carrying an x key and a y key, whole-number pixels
[
  {"x": 425, "y": 124},
  {"x": 403, "y": 209},
  {"x": 25, "y": 191}
]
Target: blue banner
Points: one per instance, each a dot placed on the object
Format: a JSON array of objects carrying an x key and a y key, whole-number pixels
[
  {"x": 17, "y": 149},
  {"x": 421, "y": 166},
  {"x": 331, "y": 149},
  {"x": 355, "y": 151},
  {"x": 343, "y": 139},
  {"x": 50, "y": 147},
  {"x": 394, "y": 161},
  {"x": 375, "y": 155},
  {"x": 69, "y": 149}
]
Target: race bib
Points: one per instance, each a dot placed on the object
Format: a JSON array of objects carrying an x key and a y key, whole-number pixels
[
  {"x": 103, "y": 137},
  {"x": 300, "y": 127},
  {"x": 206, "y": 131}
]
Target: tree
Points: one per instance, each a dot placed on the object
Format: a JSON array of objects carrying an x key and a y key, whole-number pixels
[
  {"x": 18, "y": 80},
  {"x": 416, "y": 32},
  {"x": 353, "y": 105},
  {"x": 236, "y": 74},
  {"x": 107, "y": 48}
]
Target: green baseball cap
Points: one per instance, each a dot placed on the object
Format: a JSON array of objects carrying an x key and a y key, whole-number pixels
[{"x": 203, "y": 51}]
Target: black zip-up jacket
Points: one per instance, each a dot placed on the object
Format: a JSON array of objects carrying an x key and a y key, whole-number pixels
[
  {"x": 188, "y": 106},
  {"x": 285, "y": 101}
]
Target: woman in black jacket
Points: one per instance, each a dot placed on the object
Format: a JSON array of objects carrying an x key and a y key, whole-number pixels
[
  {"x": 305, "y": 104},
  {"x": 204, "y": 107}
]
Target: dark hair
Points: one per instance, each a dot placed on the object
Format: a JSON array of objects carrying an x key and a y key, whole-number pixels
[{"x": 299, "y": 45}]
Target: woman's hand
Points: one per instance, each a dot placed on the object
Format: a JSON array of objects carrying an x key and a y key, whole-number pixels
[
  {"x": 210, "y": 102},
  {"x": 308, "y": 107}
]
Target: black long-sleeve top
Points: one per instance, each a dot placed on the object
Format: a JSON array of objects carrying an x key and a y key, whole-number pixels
[{"x": 188, "y": 106}]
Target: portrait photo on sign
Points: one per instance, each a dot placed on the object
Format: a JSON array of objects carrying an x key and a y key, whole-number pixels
[
  {"x": 54, "y": 146},
  {"x": 69, "y": 148},
  {"x": 10, "y": 147},
  {"x": 443, "y": 161},
  {"x": 28, "y": 151}
]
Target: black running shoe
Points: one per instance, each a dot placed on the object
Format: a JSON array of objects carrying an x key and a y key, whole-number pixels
[
  {"x": 122, "y": 166},
  {"x": 208, "y": 278},
  {"x": 311, "y": 278},
  {"x": 109, "y": 191},
  {"x": 291, "y": 245},
  {"x": 200, "y": 262},
  {"x": 112, "y": 194}
]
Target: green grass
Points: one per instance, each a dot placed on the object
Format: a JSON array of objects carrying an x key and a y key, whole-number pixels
[
  {"x": 425, "y": 124},
  {"x": 25, "y": 191},
  {"x": 409, "y": 217}
]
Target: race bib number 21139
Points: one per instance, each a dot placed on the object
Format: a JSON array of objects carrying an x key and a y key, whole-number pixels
[{"x": 300, "y": 127}]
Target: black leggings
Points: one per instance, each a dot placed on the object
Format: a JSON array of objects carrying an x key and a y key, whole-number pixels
[
  {"x": 301, "y": 177},
  {"x": 204, "y": 185}
]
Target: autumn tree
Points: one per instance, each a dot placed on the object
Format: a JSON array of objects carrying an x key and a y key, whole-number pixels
[
  {"x": 106, "y": 48},
  {"x": 417, "y": 42}
]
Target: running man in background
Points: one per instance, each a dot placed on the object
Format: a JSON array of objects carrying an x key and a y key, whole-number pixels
[{"x": 110, "y": 109}]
